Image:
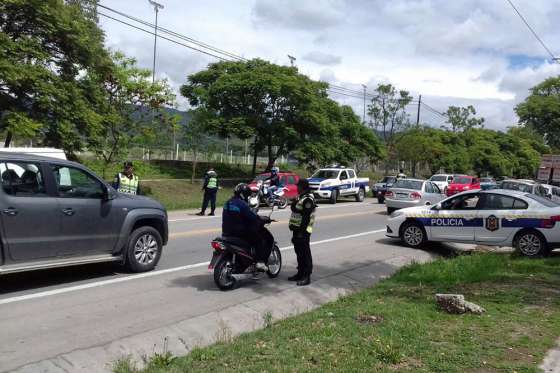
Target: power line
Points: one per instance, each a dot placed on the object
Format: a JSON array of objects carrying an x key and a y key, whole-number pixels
[
  {"x": 533, "y": 32},
  {"x": 428, "y": 107}
]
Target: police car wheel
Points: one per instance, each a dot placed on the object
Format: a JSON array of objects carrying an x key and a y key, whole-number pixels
[
  {"x": 531, "y": 244},
  {"x": 361, "y": 195},
  {"x": 412, "y": 234},
  {"x": 334, "y": 196},
  {"x": 144, "y": 249}
]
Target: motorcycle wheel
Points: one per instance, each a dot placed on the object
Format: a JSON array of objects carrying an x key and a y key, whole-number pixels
[
  {"x": 222, "y": 275},
  {"x": 274, "y": 262},
  {"x": 282, "y": 203}
]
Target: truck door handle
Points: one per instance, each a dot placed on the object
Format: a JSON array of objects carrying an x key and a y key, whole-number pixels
[
  {"x": 10, "y": 211},
  {"x": 68, "y": 211}
]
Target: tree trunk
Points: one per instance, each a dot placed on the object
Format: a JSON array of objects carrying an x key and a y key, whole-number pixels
[
  {"x": 8, "y": 140},
  {"x": 413, "y": 168}
]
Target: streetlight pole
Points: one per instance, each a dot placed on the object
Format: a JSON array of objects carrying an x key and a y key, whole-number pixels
[
  {"x": 364, "y": 116},
  {"x": 157, "y": 7},
  {"x": 292, "y": 59}
]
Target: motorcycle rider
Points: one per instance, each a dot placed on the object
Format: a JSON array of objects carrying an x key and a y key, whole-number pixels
[
  {"x": 274, "y": 180},
  {"x": 238, "y": 220},
  {"x": 301, "y": 225}
]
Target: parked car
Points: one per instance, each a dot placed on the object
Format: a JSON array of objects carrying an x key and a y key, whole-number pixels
[
  {"x": 442, "y": 181},
  {"x": 379, "y": 189},
  {"x": 487, "y": 183},
  {"x": 57, "y": 213},
  {"x": 334, "y": 182},
  {"x": 462, "y": 183},
  {"x": 527, "y": 222},
  {"x": 524, "y": 185},
  {"x": 288, "y": 180},
  {"x": 412, "y": 192}
]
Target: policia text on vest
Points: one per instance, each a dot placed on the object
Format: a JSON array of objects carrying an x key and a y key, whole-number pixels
[
  {"x": 301, "y": 225},
  {"x": 125, "y": 184}
]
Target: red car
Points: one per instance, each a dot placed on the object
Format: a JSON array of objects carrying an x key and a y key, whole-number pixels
[
  {"x": 462, "y": 183},
  {"x": 287, "y": 179}
]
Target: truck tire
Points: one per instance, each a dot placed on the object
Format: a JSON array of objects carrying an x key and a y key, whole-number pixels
[
  {"x": 361, "y": 195},
  {"x": 143, "y": 250},
  {"x": 334, "y": 197}
]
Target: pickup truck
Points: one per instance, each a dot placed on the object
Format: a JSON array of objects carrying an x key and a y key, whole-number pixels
[{"x": 331, "y": 183}]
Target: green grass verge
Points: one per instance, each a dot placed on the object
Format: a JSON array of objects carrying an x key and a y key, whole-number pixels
[
  {"x": 181, "y": 194},
  {"x": 396, "y": 326}
]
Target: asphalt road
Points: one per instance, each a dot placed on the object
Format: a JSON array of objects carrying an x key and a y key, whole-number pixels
[{"x": 46, "y": 314}]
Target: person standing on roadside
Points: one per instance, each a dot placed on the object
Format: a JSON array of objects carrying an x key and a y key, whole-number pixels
[
  {"x": 210, "y": 188},
  {"x": 301, "y": 225},
  {"x": 126, "y": 181}
]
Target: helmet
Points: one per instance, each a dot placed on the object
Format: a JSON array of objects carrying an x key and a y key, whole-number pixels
[
  {"x": 274, "y": 170},
  {"x": 242, "y": 191}
]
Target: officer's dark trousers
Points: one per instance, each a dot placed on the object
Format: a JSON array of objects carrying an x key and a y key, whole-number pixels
[
  {"x": 303, "y": 252},
  {"x": 209, "y": 197}
]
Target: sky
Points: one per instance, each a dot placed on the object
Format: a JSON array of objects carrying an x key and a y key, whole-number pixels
[{"x": 452, "y": 52}]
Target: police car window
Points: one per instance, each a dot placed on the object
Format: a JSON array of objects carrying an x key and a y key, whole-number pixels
[
  {"x": 408, "y": 184},
  {"x": 343, "y": 175},
  {"x": 351, "y": 174},
  {"x": 325, "y": 174},
  {"x": 74, "y": 183},
  {"x": 543, "y": 201},
  {"x": 520, "y": 205},
  {"x": 22, "y": 179},
  {"x": 497, "y": 202},
  {"x": 464, "y": 202}
]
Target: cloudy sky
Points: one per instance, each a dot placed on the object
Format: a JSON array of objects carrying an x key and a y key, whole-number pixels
[{"x": 452, "y": 52}]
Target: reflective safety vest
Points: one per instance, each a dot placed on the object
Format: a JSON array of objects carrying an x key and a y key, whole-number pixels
[
  {"x": 212, "y": 182},
  {"x": 126, "y": 185},
  {"x": 297, "y": 216}
]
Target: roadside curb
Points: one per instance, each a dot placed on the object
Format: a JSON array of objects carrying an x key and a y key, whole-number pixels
[{"x": 223, "y": 325}]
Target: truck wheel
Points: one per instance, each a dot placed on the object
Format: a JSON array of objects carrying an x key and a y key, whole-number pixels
[
  {"x": 361, "y": 195},
  {"x": 143, "y": 250},
  {"x": 334, "y": 196},
  {"x": 531, "y": 243}
]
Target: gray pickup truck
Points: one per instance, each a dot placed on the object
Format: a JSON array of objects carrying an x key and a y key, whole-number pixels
[{"x": 56, "y": 213}]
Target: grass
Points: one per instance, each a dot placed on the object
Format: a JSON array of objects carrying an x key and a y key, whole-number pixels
[
  {"x": 181, "y": 194},
  {"x": 396, "y": 326}
]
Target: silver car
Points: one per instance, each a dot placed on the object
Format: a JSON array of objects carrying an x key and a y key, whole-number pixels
[{"x": 412, "y": 192}]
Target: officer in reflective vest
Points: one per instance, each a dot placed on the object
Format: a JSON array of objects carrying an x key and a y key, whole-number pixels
[
  {"x": 126, "y": 181},
  {"x": 210, "y": 188},
  {"x": 301, "y": 225}
]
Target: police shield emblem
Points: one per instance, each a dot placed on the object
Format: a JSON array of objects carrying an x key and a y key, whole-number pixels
[{"x": 492, "y": 223}]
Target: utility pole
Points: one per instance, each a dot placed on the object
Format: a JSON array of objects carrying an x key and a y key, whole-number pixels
[
  {"x": 418, "y": 115},
  {"x": 292, "y": 59},
  {"x": 364, "y": 116},
  {"x": 157, "y": 7}
]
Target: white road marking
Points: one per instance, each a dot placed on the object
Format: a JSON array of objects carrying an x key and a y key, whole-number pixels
[
  {"x": 91, "y": 285},
  {"x": 320, "y": 208}
]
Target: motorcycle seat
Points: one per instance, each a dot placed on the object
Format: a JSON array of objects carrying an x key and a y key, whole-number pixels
[{"x": 235, "y": 241}]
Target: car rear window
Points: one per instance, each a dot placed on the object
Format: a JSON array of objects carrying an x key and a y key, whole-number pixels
[
  {"x": 409, "y": 184},
  {"x": 543, "y": 201},
  {"x": 462, "y": 180}
]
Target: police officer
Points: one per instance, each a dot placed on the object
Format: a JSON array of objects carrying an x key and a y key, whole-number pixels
[
  {"x": 401, "y": 174},
  {"x": 210, "y": 188},
  {"x": 126, "y": 181},
  {"x": 301, "y": 225}
]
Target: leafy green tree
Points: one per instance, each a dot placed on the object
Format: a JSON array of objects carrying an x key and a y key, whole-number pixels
[
  {"x": 541, "y": 111},
  {"x": 45, "y": 47},
  {"x": 274, "y": 104},
  {"x": 422, "y": 145},
  {"x": 462, "y": 118},
  {"x": 387, "y": 113},
  {"x": 194, "y": 134},
  {"x": 130, "y": 104}
]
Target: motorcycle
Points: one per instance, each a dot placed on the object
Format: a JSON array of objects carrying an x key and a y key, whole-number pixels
[
  {"x": 276, "y": 198},
  {"x": 233, "y": 259}
]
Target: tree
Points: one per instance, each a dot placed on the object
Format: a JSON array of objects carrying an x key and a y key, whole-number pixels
[
  {"x": 541, "y": 111},
  {"x": 129, "y": 103},
  {"x": 387, "y": 113},
  {"x": 422, "y": 144},
  {"x": 45, "y": 47},
  {"x": 460, "y": 118},
  {"x": 194, "y": 134},
  {"x": 273, "y": 104}
]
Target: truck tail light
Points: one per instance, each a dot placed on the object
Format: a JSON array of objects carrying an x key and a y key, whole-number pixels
[
  {"x": 415, "y": 195},
  {"x": 216, "y": 246},
  {"x": 389, "y": 194},
  {"x": 550, "y": 222}
]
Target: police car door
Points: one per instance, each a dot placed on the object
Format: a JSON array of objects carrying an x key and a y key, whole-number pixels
[
  {"x": 344, "y": 183},
  {"x": 455, "y": 220},
  {"x": 499, "y": 214}
]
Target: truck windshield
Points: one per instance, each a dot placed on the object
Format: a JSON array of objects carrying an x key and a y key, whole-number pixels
[
  {"x": 325, "y": 174},
  {"x": 408, "y": 184}
]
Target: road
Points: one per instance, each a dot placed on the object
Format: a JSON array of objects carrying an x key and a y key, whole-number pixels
[{"x": 47, "y": 314}]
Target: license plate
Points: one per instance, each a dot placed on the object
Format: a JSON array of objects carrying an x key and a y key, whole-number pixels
[{"x": 402, "y": 196}]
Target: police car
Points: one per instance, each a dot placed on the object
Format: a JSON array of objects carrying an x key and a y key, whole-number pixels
[{"x": 496, "y": 217}]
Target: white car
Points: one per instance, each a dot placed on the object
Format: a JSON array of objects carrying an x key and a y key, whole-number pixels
[
  {"x": 442, "y": 181},
  {"x": 412, "y": 192},
  {"x": 491, "y": 217},
  {"x": 334, "y": 182}
]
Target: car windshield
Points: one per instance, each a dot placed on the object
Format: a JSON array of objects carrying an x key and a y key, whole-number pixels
[
  {"x": 542, "y": 200},
  {"x": 408, "y": 184},
  {"x": 438, "y": 178},
  {"x": 388, "y": 179},
  {"x": 462, "y": 180},
  {"x": 326, "y": 174}
]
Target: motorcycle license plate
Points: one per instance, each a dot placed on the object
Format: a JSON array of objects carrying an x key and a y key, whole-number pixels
[{"x": 213, "y": 261}]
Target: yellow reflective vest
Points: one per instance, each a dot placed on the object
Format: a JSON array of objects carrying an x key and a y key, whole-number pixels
[
  {"x": 296, "y": 218},
  {"x": 128, "y": 185}
]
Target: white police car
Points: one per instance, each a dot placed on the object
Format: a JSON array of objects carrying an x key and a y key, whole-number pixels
[{"x": 493, "y": 217}]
